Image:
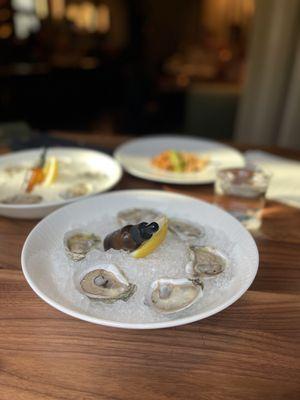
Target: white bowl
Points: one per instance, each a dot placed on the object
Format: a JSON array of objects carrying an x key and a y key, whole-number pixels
[
  {"x": 46, "y": 238},
  {"x": 98, "y": 160}
]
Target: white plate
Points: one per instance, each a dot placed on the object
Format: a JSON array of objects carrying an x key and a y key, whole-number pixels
[
  {"x": 97, "y": 160},
  {"x": 46, "y": 239},
  {"x": 135, "y": 156}
]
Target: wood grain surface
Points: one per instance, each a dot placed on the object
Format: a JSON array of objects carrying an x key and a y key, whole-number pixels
[{"x": 248, "y": 351}]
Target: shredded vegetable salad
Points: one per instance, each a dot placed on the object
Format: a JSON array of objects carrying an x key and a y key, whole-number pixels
[{"x": 179, "y": 161}]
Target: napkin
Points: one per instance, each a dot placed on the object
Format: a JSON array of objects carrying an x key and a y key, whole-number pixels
[{"x": 285, "y": 181}]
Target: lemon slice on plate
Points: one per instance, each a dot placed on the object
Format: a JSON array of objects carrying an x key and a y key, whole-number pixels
[
  {"x": 50, "y": 171},
  {"x": 157, "y": 238}
]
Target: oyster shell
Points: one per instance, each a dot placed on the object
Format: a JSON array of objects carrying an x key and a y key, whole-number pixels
[
  {"x": 168, "y": 295},
  {"x": 14, "y": 169},
  {"x": 205, "y": 262},
  {"x": 136, "y": 215},
  {"x": 78, "y": 243},
  {"x": 92, "y": 175},
  {"x": 185, "y": 230},
  {"x": 106, "y": 283},
  {"x": 23, "y": 198},
  {"x": 78, "y": 190}
]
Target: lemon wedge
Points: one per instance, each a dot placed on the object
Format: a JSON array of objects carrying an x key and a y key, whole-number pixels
[
  {"x": 157, "y": 238},
  {"x": 50, "y": 171}
]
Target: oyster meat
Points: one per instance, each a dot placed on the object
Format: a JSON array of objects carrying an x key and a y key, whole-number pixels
[
  {"x": 23, "y": 198},
  {"x": 78, "y": 243},
  {"x": 168, "y": 295},
  {"x": 206, "y": 262},
  {"x": 134, "y": 216},
  {"x": 78, "y": 190},
  {"x": 107, "y": 283},
  {"x": 185, "y": 231},
  {"x": 14, "y": 169}
]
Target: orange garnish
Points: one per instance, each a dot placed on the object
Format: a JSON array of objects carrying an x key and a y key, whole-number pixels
[
  {"x": 36, "y": 177},
  {"x": 37, "y": 174}
]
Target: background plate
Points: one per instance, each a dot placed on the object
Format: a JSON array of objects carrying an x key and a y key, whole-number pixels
[
  {"x": 99, "y": 161},
  {"x": 135, "y": 156}
]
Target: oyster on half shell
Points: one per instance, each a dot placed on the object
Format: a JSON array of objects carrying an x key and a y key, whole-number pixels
[
  {"x": 78, "y": 190},
  {"x": 134, "y": 216},
  {"x": 12, "y": 170},
  {"x": 185, "y": 230},
  {"x": 169, "y": 295},
  {"x": 205, "y": 262},
  {"x": 23, "y": 198},
  {"x": 106, "y": 283},
  {"x": 78, "y": 243}
]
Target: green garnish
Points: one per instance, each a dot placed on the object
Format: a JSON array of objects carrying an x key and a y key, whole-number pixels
[{"x": 177, "y": 161}]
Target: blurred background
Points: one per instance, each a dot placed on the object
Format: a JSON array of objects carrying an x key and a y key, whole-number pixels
[{"x": 222, "y": 69}]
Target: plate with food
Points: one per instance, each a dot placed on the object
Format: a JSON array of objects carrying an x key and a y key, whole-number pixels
[
  {"x": 140, "y": 259},
  {"x": 33, "y": 183},
  {"x": 176, "y": 159}
]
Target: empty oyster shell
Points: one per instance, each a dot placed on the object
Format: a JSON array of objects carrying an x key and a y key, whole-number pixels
[
  {"x": 23, "y": 198},
  {"x": 78, "y": 190},
  {"x": 14, "y": 169},
  {"x": 185, "y": 230},
  {"x": 93, "y": 175},
  {"x": 106, "y": 283},
  {"x": 78, "y": 243},
  {"x": 136, "y": 215},
  {"x": 168, "y": 295},
  {"x": 205, "y": 262}
]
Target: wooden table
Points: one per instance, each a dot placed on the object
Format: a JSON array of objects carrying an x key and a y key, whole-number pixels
[{"x": 248, "y": 351}]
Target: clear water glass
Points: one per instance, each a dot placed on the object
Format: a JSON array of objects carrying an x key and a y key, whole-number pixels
[{"x": 242, "y": 192}]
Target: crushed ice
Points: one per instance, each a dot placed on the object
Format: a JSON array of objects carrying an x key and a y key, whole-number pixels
[{"x": 168, "y": 260}]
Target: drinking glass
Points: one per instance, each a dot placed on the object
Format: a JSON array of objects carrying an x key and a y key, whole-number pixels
[{"x": 242, "y": 192}]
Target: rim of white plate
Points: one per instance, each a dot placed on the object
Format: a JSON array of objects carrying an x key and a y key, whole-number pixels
[{"x": 125, "y": 325}]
